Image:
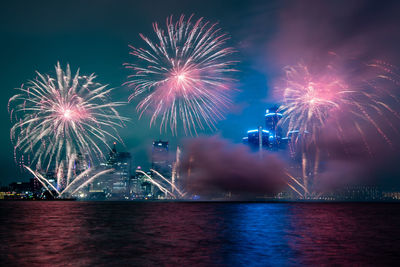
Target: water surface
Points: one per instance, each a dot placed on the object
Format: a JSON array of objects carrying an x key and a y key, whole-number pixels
[{"x": 199, "y": 234}]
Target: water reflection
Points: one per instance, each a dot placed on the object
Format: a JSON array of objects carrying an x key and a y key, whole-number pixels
[
  {"x": 259, "y": 235},
  {"x": 181, "y": 234},
  {"x": 344, "y": 234}
]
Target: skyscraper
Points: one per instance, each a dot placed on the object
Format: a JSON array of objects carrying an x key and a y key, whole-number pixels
[
  {"x": 272, "y": 117},
  {"x": 270, "y": 137},
  {"x": 160, "y": 158},
  {"x": 253, "y": 139},
  {"x": 117, "y": 181},
  {"x": 175, "y": 168},
  {"x": 276, "y": 140}
]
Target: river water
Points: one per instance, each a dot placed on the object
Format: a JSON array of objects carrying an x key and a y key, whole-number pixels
[{"x": 72, "y": 233}]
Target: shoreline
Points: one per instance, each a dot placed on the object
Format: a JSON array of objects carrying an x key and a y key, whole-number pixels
[{"x": 212, "y": 201}]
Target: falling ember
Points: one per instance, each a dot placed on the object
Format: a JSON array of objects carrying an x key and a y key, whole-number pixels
[
  {"x": 184, "y": 78},
  {"x": 71, "y": 188}
]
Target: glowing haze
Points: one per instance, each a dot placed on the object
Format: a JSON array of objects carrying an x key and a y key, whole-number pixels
[{"x": 320, "y": 102}]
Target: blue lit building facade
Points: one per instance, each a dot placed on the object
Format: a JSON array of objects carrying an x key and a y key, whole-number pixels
[
  {"x": 253, "y": 139},
  {"x": 269, "y": 137}
]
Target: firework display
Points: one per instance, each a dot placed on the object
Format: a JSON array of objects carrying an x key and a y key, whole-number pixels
[
  {"x": 332, "y": 108},
  {"x": 312, "y": 101},
  {"x": 309, "y": 100},
  {"x": 59, "y": 118},
  {"x": 183, "y": 76}
]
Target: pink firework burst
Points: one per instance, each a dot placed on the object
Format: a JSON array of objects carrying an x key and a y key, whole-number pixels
[
  {"x": 185, "y": 76},
  {"x": 310, "y": 99},
  {"x": 364, "y": 95},
  {"x": 359, "y": 102}
]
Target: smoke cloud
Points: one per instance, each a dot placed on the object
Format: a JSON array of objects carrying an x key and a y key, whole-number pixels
[
  {"x": 353, "y": 29},
  {"x": 356, "y": 31},
  {"x": 212, "y": 167}
]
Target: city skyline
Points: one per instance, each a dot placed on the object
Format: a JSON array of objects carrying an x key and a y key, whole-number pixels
[
  {"x": 255, "y": 80},
  {"x": 200, "y": 133}
]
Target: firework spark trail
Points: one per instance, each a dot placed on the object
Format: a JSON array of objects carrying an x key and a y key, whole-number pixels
[
  {"x": 42, "y": 180},
  {"x": 78, "y": 182},
  {"x": 295, "y": 190},
  {"x": 77, "y": 179},
  {"x": 91, "y": 179},
  {"x": 165, "y": 179},
  {"x": 185, "y": 77},
  {"x": 297, "y": 182},
  {"x": 70, "y": 168},
  {"x": 310, "y": 100},
  {"x": 57, "y": 118},
  {"x": 37, "y": 176},
  {"x": 163, "y": 189}
]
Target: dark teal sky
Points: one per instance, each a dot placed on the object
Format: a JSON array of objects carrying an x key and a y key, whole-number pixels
[{"x": 94, "y": 36}]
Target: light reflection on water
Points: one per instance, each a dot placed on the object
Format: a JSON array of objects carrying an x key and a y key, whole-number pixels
[{"x": 182, "y": 234}]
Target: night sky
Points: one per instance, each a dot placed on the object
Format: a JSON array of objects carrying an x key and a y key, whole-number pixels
[{"x": 94, "y": 36}]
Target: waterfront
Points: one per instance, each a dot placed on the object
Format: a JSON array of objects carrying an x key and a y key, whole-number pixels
[{"x": 182, "y": 234}]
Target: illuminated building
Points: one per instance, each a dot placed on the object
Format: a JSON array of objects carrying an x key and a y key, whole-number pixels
[
  {"x": 360, "y": 192},
  {"x": 160, "y": 158},
  {"x": 22, "y": 190},
  {"x": 141, "y": 187},
  {"x": 276, "y": 141},
  {"x": 82, "y": 163},
  {"x": 257, "y": 138},
  {"x": 157, "y": 181},
  {"x": 20, "y": 187},
  {"x": 357, "y": 193},
  {"x": 115, "y": 183},
  {"x": 135, "y": 185},
  {"x": 272, "y": 118},
  {"x": 270, "y": 137}
]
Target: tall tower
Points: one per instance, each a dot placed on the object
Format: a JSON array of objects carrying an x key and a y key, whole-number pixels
[
  {"x": 257, "y": 139},
  {"x": 117, "y": 181},
  {"x": 272, "y": 117},
  {"x": 160, "y": 158},
  {"x": 175, "y": 168}
]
